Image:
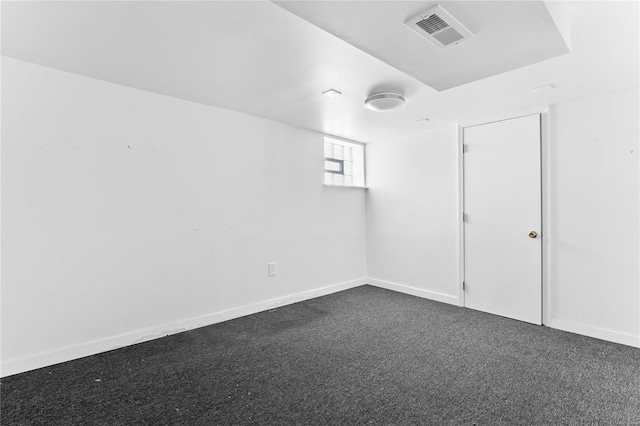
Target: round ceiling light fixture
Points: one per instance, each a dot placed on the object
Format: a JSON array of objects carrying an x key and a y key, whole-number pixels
[{"x": 384, "y": 101}]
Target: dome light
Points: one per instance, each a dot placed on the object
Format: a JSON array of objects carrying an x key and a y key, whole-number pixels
[{"x": 384, "y": 101}]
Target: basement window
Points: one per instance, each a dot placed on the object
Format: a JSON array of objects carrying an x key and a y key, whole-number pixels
[{"x": 343, "y": 163}]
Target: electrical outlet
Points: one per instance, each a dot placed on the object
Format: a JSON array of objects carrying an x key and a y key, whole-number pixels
[{"x": 272, "y": 269}]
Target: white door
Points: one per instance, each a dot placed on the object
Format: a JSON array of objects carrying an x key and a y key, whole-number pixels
[{"x": 502, "y": 220}]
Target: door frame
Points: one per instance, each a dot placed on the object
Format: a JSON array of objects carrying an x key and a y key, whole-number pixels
[{"x": 545, "y": 186}]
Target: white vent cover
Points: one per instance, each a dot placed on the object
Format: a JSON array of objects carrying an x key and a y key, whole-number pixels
[{"x": 439, "y": 27}]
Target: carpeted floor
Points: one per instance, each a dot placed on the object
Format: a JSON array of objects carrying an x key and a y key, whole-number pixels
[{"x": 362, "y": 356}]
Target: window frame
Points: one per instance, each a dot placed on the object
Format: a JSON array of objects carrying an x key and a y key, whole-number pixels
[
  {"x": 342, "y": 141},
  {"x": 333, "y": 160}
]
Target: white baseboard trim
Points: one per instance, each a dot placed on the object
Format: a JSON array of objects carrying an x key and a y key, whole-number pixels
[
  {"x": 425, "y": 294},
  {"x": 45, "y": 359},
  {"x": 598, "y": 333}
]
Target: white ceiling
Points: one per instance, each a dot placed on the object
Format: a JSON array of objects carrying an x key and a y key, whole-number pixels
[
  {"x": 260, "y": 59},
  {"x": 507, "y": 35}
]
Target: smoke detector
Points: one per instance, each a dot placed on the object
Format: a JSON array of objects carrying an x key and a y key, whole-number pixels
[{"x": 439, "y": 27}]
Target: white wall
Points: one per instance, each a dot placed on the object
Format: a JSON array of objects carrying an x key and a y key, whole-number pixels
[
  {"x": 128, "y": 215},
  {"x": 594, "y": 212},
  {"x": 412, "y": 214},
  {"x": 592, "y": 216}
]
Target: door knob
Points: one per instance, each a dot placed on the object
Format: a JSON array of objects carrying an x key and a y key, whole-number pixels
[{"x": 533, "y": 234}]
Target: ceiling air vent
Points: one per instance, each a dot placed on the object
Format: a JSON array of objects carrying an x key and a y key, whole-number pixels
[{"x": 439, "y": 27}]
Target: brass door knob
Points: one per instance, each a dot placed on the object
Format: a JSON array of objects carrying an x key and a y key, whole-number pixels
[{"x": 533, "y": 234}]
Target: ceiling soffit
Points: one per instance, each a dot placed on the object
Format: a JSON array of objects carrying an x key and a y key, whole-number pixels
[{"x": 506, "y": 36}]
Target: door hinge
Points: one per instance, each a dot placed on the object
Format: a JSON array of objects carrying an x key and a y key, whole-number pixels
[
  {"x": 464, "y": 286},
  {"x": 465, "y": 148},
  {"x": 464, "y": 217}
]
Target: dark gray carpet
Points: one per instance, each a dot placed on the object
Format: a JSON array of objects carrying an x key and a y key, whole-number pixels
[{"x": 362, "y": 356}]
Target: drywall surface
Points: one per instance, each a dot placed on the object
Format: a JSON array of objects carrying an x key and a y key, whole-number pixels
[
  {"x": 125, "y": 211},
  {"x": 411, "y": 214},
  {"x": 593, "y": 213}
]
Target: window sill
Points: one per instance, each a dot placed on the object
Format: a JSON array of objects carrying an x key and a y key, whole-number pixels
[{"x": 344, "y": 186}]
